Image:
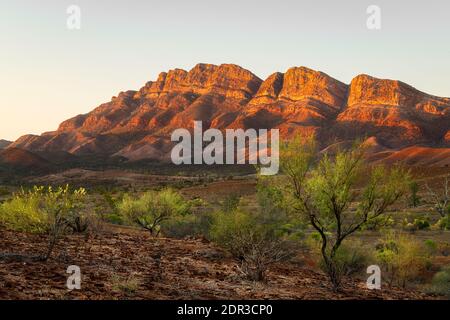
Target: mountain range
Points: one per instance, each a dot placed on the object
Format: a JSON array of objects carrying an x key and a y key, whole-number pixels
[{"x": 398, "y": 121}]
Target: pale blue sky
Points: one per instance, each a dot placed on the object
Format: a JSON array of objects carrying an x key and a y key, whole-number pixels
[{"x": 49, "y": 73}]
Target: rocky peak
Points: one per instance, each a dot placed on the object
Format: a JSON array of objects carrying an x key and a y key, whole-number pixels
[
  {"x": 303, "y": 83},
  {"x": 174, "y": 80},
  {"x": 269, "y": 89},
  {"x": 227, "y": 79},
  {"x": 365, "y": 89}
]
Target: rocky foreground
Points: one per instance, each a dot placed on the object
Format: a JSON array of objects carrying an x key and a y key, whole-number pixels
[{"x": 129, "y": 264}]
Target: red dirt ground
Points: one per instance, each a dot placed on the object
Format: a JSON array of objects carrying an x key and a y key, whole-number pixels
[{"x": 125, "y": 264}]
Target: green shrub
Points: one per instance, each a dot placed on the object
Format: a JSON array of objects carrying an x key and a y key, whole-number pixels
[
  {"x": 44, "y": 210},
  {"x": 402, "y": 257},
  {"x": 151, "y": 209},
  {"x": 444, "y": 223},
  {"x": 414, "y": 224},
  {"x": 24, "y": 212},
  {"x": 441, "y": 283},
  {"x": 37, "y": 210},
  {"x": 422, "y": 223}
]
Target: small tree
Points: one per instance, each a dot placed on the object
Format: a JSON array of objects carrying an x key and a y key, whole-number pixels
[
  {"x": 338, "y": 195},
  {"x": 43, "y": 210},
  {"x": 153, "y": 208},
  {"x": 441, "y": 199}
]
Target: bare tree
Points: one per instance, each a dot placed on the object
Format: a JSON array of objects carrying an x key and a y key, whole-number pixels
[
  {"x": 441, "y": 199},
  {"x": 257, "y": 245},
  {"x": 258, "y": 253}
]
